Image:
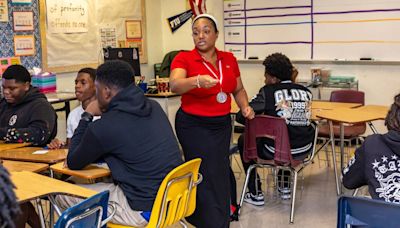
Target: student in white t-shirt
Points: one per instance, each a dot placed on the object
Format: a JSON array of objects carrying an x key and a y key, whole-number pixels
[{"x": 85, "y": 92}]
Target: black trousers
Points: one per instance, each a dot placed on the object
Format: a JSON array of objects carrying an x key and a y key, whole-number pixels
[{"x": 208, "y": 138}]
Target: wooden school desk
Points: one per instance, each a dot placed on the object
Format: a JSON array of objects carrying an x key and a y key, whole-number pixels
[
  {"x": 90, "y": 172},
  {"x": 317, "y": 106},
  {"x": 364, "y": 114},
  {"x": 8, "y": 146},
  {"x": 26, "y": 154},
  {"x": 32, "y": 186},
  {"x": 379, "y": 110},
  {"x": 328, "y": 105},
  {"x": 61, "y": 97},
  {"x": 234, "y": 107},
  {"x": 16, "y": 166}
]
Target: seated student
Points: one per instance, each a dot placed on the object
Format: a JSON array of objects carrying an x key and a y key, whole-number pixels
[
  {"x": 134, "y": 138},
  {"x": 280, "y": 97},
  {"x": 85, "y": 92},
  {"x": 376, "y": 163},
  {"x": 25, "y": 116},
  {"x": 25, "y": 113}
]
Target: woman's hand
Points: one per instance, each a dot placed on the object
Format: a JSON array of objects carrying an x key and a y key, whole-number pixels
[
  {"x": 206, "y": 81},
  {"x": 248, "y": 112}
]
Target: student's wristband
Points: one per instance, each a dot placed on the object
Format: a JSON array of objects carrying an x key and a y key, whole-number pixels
[
  {"x": 87, "y": 117},
  {"x": 198, "y": 81}
]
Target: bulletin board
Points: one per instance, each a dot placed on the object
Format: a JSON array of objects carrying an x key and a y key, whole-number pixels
[
  {"x": 74, "y": 32},
  {"x": 313, "y": 29},
  {"x": 33, "y": 56}
]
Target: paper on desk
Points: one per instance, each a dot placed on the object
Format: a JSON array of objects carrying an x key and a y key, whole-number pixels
[
  {"x": 52, "y": 99},
  {"x": 101, "y": 165},
  {"x": 41, "y": 152}
]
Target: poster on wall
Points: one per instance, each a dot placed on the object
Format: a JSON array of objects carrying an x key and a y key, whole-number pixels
[
  {"x": 21, "y": 1},
  {"x": 133, "y": 29},
  {"x": 23, "y": 21},
  {"x": 67, "y": 16},
  {"x": 3, "y": 11},
  {"x": 24, "y": 45},
  {"x": 108, "y": 37},
  {"x": 6, "y": 62},
  {"x": 132, "y": 43}
]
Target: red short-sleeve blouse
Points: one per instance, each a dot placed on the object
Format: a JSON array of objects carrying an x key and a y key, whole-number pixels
[{"x": 201, "y": 101}]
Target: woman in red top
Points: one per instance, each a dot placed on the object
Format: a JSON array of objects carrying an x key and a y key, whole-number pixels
[{"x": 206, "y": 78}]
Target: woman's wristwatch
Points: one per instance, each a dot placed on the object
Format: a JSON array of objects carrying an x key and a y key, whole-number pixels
[{"x": 87, "y": 117}]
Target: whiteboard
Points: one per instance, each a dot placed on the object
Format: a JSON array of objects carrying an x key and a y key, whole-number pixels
[
  {"x": 70, "y": 51},
  {"x": 313, "y": 29}
]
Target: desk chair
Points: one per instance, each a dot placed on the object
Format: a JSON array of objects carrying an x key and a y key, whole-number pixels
[
  {"x": 276, "y": 129},
  {"x": 176, "y": 197},
  {"x": 165, "y": 67},
  {"x": 89, "y": 213},
  {"x": 351, "y": 132},
  {"x": 364, "y": 212}
]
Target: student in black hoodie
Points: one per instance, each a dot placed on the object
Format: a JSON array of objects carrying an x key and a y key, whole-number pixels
[
  {"x": 25, "y": 116},
  {"x": 25, "y": 113},
  {"x": 134, "y": 138},
  {"x": 377, "y": 162}
]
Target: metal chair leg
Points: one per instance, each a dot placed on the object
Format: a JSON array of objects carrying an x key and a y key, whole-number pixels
[
  {"x": 327, "y": 154},
  {"x": 183, "y": 224},
  {"x": 355, "y": 192},
  {"x": 41, "y": 214},
  {"x": 246, "y": 182},
  {"x": 334, "y": 157},
  {"x": 293, "y": 197}
]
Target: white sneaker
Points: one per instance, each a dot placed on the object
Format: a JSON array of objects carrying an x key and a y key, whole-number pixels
[
  {"x": 285, "y": 193},
  {"x": 257, "y": 200}
]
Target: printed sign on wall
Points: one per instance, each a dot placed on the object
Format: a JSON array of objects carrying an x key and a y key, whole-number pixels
[
  {"x": 21, "y": 1},
  {"x": 24, "y": 45},
  {"x": 3, "y": 11},
  {"x": 23, "y": 21},
  {"x": 67, "y": 16}
]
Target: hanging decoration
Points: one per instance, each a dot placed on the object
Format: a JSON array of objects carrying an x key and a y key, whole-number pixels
[
  {"x": 199, "y": 7},
  {"x": 196, "y": 7},
  {"x": 175, "y": 22}
]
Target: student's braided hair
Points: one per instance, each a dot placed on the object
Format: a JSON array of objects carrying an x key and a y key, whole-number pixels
[
  {"x": 8, "y": 204},
  {"x": 392, "y": 120}
]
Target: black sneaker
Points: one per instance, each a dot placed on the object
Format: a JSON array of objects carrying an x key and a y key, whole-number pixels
[{"x": 257, "y": 200}]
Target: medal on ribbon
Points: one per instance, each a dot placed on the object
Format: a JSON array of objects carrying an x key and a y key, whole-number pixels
[{"x": 222, "y": 97}]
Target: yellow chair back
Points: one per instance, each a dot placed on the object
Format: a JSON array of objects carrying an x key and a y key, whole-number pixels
[{"x": 176, "y": 197}]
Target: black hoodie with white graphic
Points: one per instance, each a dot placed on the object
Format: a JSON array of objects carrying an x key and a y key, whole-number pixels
[
  {"x": 135, "y": 139},
  {"x": 376, "y": 164},
  {"x": 293, "y": 103},
  {"x": 32, "y": 119}
]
